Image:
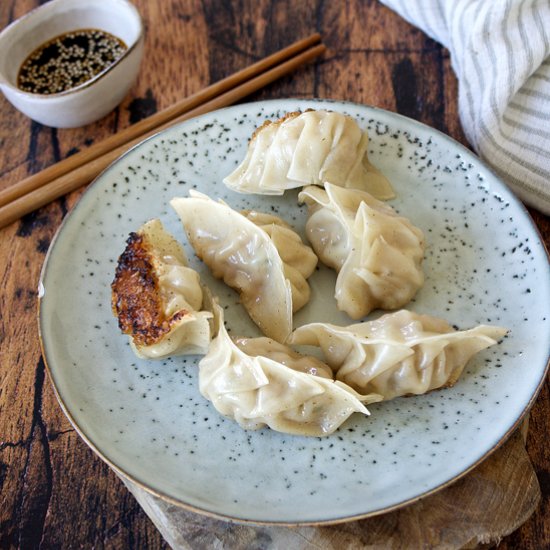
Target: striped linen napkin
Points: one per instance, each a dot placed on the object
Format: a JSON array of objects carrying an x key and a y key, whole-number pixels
[{"x": 500, "y": 51}]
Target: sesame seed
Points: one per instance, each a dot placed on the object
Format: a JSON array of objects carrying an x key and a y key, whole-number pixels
[{"x": 69, "y": 60}]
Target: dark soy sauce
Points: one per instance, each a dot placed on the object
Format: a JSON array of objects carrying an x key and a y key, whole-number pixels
[{"x": 69, "y": 60}]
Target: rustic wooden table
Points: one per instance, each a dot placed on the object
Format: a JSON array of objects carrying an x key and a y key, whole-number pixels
[{"x": 54, "y": 492}]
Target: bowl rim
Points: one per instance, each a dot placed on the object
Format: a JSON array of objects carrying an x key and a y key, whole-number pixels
[{"x": 45, "y": 8}]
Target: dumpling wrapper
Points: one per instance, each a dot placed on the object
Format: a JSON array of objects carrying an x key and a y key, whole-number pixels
[
  {"x": 257, "y": 254},
  {"x": 308, "y": 148},
  {"x": 377, "y": 253},
  {"x": 260, "y": 382},
  {"x": 157, "y": 298},
  {"x": 299, "y": 260},
  {"x": 401, "y": 353}
]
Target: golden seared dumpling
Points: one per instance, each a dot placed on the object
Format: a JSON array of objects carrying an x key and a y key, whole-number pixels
[{"x": 157, "y": 298}]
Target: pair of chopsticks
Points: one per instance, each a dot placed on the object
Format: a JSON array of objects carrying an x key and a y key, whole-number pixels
[{"x": 80, "y": 168}]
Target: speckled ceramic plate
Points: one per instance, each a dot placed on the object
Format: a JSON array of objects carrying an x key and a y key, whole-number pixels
[{"x": 484, "y": 264}]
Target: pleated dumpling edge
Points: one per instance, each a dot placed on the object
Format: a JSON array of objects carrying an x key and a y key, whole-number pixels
[
  {"x": 308, "y": 148},
  {"x": 289, "y": 393},
  {"x": 256, "y": 254}
]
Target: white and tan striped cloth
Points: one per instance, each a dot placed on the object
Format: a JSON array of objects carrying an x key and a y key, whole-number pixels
[{"x": 500, "y": 51}]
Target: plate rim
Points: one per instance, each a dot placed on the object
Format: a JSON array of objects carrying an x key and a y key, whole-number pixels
[{"x": 143, "y": 485}]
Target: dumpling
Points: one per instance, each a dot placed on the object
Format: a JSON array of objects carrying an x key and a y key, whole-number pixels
[
  {"x": 299, "y": 260},
  {"x": 308, "y": 148},
  {"x": 258, "y": 255},
  {"x": 400, "y": 353},
  {"x": 377, "y": 253},
  {"x": 260, "y": 382},
  {"x": 157, "y": 298}
]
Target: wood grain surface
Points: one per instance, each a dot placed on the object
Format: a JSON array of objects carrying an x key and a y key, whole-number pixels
[{"x": 54, "y": 492}]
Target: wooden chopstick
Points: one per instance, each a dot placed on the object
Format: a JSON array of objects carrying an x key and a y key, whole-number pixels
[
  {"x": 154, "y": 121},
  {"x": 79, "y": 169}
]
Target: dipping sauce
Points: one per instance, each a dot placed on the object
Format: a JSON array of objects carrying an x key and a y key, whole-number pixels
[{"x": 69, "y": 60}]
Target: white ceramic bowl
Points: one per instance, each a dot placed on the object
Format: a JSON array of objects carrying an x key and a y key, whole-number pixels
[{"x": 92, "y": 99}]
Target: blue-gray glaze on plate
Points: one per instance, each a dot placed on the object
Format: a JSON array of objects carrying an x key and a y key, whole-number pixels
[{"x": 484, "y": 264}]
